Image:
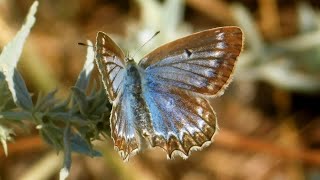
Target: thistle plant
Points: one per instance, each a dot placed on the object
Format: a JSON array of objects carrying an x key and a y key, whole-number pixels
[{"x": 68, "y": 125}]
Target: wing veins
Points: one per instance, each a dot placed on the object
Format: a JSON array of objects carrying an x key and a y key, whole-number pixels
[
  {"x": 184, "y": 114},
  {"x": 120, "y": 84},
  {"x": 187, "y": 71},
  {"x": 195, "y": 112},
  {"x": 109, "y": 62},
  {"x": 109, "y": 72},
  {"x": 162, "y": 110},
  {"x": 193, "y": 64},
  {"x": 201, "y": 74},
  {"x": 117, "y": 108},
  {"x": 192, "y": 122},
  {"x": 179, "y": 61},
  {"x": 186, "y": 61},
  {"x": 117, "y": 119},
  {"x": 179, "y": 82},
  {"x": 115, "y": 76}
]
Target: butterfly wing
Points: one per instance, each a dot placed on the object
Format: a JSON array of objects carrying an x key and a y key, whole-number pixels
[
  {"x": 181, "y": 122},
  {"x": 110, "y": 62},
  {"x": 178, "y": 79},
  {"x": 202, "y": 63},
  {"x": 122, "y": 128}
]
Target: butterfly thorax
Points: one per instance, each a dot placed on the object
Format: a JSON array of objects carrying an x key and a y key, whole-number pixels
[{"x": 132, "y": 78}]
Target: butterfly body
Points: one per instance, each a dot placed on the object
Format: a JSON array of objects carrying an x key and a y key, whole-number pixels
[
  {"x": 135, "y": 105},
  {"x": 164, "y": 100}
]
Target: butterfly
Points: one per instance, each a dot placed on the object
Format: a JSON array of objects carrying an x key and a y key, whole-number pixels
[{"x": 163, "y": 101}]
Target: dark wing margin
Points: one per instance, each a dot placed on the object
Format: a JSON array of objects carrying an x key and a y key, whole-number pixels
[
  {"x": 202, "y": 63},
  {"x": 110, "y": 62}
]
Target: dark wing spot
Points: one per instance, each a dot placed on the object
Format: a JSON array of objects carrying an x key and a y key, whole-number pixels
[{"x": 188, "y": 52}]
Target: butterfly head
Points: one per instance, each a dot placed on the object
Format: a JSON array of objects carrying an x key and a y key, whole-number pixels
[{"x": 129, "y": 59}]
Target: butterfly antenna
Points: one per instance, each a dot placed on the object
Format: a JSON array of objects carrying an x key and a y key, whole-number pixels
[
  {"x": 84, "y": 44},
  {"x": 126, "y": 52},
  {"x": 136, "y": 51}
]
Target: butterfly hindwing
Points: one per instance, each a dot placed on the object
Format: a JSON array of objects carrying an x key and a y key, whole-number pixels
[
  {"x": 122, "y": 128},
  {"x": 180, "y": 121},
  {"x": 110, "y": 61}
]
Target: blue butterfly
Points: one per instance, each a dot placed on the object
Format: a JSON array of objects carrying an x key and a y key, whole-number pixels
[{"x": 163, "y": 100}]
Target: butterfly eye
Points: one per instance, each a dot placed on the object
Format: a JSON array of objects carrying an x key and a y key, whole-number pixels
[{"x": 129, "y": 59}]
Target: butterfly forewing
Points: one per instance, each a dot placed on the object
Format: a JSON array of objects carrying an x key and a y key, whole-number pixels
[
  {"x": 110, "y": 61},
  {"x": 202, "y": 62}
]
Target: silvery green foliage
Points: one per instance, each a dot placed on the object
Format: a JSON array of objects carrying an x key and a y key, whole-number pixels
[
  {"x": 153, "y": 19},
  {"x": 9, "y": 59},
  {"x": 90, "y": 107},
  {"x": 5, "y": 135},
  {"x": 68, "y": 125},
  {"x": 291, "y": 64},
  {"x": 13, "y": 88}
]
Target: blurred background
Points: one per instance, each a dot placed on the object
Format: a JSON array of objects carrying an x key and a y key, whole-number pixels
[{"x": 269, "y": 117}]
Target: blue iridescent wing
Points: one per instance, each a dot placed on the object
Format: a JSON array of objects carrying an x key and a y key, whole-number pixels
[
  {"x": 122, "y": 128},
  {"x": 181, "y": 122},
  {"x": 110, "y": 62},
  {"x": 179, "y": 77},
  {"x": 111, "y": 65}
]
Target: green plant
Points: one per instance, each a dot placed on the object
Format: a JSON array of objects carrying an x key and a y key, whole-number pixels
[{"x": 68, "y": 125}]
